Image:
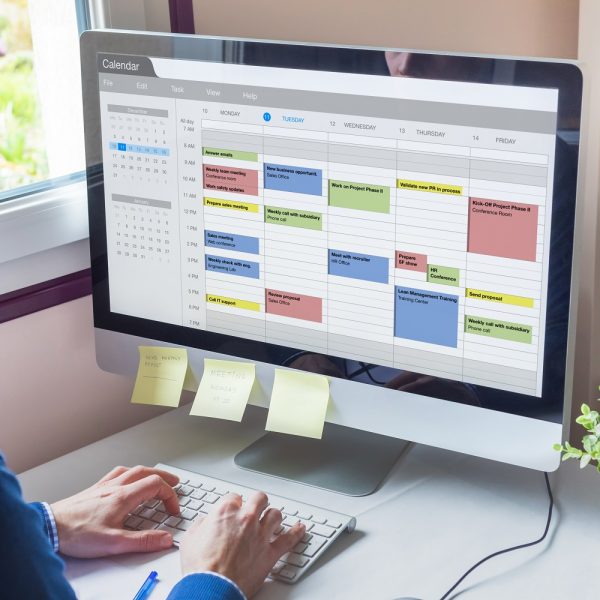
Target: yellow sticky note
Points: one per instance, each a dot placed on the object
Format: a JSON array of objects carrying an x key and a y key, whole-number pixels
[
  {"x": 160, "y": 376},
  {"x": 224, "y": 389},
  {"x": 298, "y": 403}
]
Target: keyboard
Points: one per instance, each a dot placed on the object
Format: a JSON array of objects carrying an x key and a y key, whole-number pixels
[{"x": 199, "y": 494}]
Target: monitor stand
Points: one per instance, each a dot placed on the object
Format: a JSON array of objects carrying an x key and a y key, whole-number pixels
[{"x": 346, "y": 460}]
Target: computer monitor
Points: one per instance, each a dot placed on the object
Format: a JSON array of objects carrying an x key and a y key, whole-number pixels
[{"x": 411, "y": 236}]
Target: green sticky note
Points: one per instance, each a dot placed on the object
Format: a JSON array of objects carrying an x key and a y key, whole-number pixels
[
  {"x": 224, "y": 389},
  {"x": 160, "y": 376},
  {"x": 298, "y": 403}
]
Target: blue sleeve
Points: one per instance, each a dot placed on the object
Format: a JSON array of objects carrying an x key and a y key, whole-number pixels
[
  {"x": 205, "y": 586},
  {"x": 29, "y": 568}
]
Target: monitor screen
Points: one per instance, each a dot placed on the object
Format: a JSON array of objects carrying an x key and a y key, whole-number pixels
[{"x": 404, "y": 219}]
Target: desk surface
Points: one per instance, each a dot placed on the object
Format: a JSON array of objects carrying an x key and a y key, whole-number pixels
[{"x": 437, "y": 514}]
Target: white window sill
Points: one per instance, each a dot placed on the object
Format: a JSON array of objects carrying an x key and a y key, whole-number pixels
[{"x": 43, "y": 236}]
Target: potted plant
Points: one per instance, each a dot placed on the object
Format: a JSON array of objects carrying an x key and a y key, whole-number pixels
[{"x": 590, "y": 451}]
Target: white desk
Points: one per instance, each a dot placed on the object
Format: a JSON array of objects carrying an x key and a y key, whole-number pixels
[{"x": 437, "y": 514}]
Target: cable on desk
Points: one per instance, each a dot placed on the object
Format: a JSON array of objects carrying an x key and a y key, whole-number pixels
[{"x": 521, "y": 546}]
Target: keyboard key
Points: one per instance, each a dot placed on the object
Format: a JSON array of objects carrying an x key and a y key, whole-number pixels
[
  {"x": 289, "y": 510},
  {"x": 185, "y": 490},
  {"x": 183, "y": 481},
  {"x": 188, "y": 514},
  {"x": 211, "y": 498},
  {"x": 300, "y": 547},
  {"x": 277, "y": 506},
  {"x": 207, "y": 487},
  {"x": 152, "y": 503},
  {"x": 194, "y": 505},
  {"x": 184, "y": 525},
  {"x": 132, "y": 522},
  {"x": 334, "y": 523},
  {"x": 291, "y": 558},
  {"x": 147, "y": 513},
  {"x": 146, "y": 525},
  {"x": 184, "y": 501},
  {"x": 198, "y": 494},
  {"x": 289, "y": 521},
  {"x": 278, "y": 566},
  {"x": 304, "y": 515},
  {"x": 288, "y": 572},
  {"x": 307, "y": 537},
  {"x": 220, "y": 490},
  {"x": 314, "y": 545},
  {"x": 173, "y": 521},
  {"x": 321, "y": 520},
  {"x": 323, "y": 530},
  {"x": 159, "y": 517}
]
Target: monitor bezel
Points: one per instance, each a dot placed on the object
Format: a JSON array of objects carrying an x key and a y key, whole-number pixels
[{"x": 207, "y": 48}]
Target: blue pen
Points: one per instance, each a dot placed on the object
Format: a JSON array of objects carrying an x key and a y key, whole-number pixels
[{"x": 147, "y": 586}]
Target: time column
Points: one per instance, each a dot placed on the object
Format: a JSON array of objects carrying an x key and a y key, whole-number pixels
[{"x": 191, "y": 217}]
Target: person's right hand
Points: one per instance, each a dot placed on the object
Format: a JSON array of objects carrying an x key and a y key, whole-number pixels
[{"x": 236, "y": 542}]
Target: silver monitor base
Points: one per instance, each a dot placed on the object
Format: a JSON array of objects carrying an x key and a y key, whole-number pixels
[{"x": 346, "y": 460}]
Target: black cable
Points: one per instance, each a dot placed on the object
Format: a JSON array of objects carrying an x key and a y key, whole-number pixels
[
  {"x": 370, "y": 375},
  {"x": 520, "y": 547},
  {"x": 365, "y": 368}
]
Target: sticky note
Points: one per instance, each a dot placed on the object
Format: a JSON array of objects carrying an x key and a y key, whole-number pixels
[
  {"x": 298, "y": 403},
  {"x": 160, "y": 376},
  {"x": 224, "y": 389}
]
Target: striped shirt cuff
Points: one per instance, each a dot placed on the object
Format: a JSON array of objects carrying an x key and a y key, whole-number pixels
[{"x": 50, "y": 524}]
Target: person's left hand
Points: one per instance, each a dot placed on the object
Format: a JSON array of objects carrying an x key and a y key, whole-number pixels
[{"x": 90, "y": 524}]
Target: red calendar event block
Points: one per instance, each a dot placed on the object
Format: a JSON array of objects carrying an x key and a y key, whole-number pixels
[
  {"x": 230, "y": 179},
  {"x": 506, "y": 229},
  {"x": 297, "y": 306}
]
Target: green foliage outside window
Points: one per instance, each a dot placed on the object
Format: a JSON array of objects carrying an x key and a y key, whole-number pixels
[{"x": 22, "y": 144}]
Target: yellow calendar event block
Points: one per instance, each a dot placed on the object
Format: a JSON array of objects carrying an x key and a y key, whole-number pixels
[
  {"x": 496, "y": 297},
  {"x": 231, "y": 204},
  {"x": 233, "y": 302},
  {"x": 429, "y": 186}
]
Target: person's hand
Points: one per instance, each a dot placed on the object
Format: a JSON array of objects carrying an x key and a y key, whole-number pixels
[
  {"x": 427, "y": 385},
  {"x": 90, "y": 524},
  {"x": 235, "y": 541}
]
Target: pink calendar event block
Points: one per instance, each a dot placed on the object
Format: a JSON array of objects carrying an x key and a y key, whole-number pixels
[
  {"x": 411, "y": 261},
  {"x": 505, "y": 229},
  {"x": 231, "y": 179},
  {"x": 297, "y": 306}
]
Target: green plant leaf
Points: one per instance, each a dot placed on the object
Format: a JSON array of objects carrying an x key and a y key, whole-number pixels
[
  {"x": 585, "y": 461},
  {"x": 558, "y": 447},
  {"x": 585, "y": 409}
]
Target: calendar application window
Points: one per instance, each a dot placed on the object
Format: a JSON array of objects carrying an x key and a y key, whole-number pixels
[{"x": 398, "y": 222}]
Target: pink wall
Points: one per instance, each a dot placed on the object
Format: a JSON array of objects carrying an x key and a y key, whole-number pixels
[
  {"x": 53, "y": 397},
  {"x": 518, "y": 27}
]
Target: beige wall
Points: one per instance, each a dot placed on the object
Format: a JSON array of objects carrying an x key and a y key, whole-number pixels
[
  {"x": 587, "y": 355},
  {"x": 519, "y": 27},
  {"x": 53, "y": 397}
]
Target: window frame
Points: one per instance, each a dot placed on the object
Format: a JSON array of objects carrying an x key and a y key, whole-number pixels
[{"x": 43, "y": 233}]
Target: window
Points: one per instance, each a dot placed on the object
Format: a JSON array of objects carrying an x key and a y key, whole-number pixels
[{"x": 41, "y": 122}]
